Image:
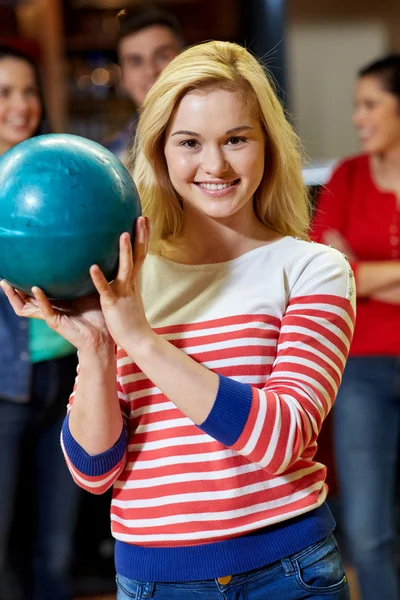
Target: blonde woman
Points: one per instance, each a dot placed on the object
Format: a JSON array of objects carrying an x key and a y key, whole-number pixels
[{"x": 231, "y": 334}]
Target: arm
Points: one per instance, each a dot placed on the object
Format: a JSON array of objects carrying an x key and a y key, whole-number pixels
[
  {"x": 376, "y": 279},
  {"x": 274, "y": 426},
  {"x": 96, "y": 396},
  {"x": 93, "y": 437},
  {"x": 328, "y": 227}
]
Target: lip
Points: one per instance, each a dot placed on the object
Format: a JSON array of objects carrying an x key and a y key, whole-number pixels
[{"x": 218, "y": 193}]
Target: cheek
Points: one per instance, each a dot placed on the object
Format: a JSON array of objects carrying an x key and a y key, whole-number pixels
[
  {"x": 161, "y": 64},
  {"x": 36, "y": 108},
  {"x": 181, "y": 167},
  {"x": 130, "y": 78},
  {"x": 253, "y": 167}
]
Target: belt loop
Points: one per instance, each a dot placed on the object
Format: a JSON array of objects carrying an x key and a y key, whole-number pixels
[
  {"x": 148, "y": 589},
  {"x": 287, "y": 566}
]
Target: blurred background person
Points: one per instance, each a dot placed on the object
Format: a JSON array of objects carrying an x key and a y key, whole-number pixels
[
  {"x": 148, "y": 39},
  {"x": 38, "y": 500},
  {"x": 358, "y": 212}
]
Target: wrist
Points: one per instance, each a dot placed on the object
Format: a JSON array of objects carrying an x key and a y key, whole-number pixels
[
  {"x": 101, "y": 354},
  {"x": 141, "y": 345}
]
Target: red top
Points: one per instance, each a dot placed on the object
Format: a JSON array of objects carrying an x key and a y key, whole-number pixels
[{"x": 369, "y": 219}]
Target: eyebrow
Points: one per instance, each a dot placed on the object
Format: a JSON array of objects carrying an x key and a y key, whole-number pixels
[{"x": 194, "y": 134}]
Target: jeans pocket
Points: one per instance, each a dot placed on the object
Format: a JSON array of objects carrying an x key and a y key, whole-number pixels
[
  {"x": 321, "y": 571},
  {"x": 126, "y": 588}
]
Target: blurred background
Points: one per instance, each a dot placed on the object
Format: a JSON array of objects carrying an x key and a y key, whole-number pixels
[{"x": 313, "y": 49}]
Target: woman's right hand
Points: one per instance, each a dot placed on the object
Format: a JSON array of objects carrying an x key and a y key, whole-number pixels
[{"x": 80, "y": 321}]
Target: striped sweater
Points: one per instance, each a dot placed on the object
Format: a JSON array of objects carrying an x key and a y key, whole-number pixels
[{"x": 243, "y": 489}]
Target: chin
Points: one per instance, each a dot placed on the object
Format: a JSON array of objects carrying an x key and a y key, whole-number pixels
[{"x": 374, "y": 147}]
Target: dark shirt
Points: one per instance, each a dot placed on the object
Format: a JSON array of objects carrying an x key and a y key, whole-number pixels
[{"x": 121, "y": 141}]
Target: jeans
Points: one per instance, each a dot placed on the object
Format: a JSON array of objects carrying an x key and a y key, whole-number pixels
[
  {"x": 366, "y": 436},
  {"x": 38, "y": 499},
  {"x": 316, "y": 572}
]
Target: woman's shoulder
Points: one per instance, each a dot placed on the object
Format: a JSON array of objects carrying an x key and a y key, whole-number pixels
[
  {"x": 352, "y": 164},
  {"x": 317, "y": 267},
  {"x": 303, "y": 250}
]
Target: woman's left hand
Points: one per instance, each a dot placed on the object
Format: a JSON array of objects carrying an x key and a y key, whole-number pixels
[{"x": 121, "y": 300}]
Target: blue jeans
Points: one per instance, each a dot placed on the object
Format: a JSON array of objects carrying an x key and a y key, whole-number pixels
[
  {"x": 366, "y": 434},
  {"x": 36, "y": 488},
  {"x": 316, "y": 572}
]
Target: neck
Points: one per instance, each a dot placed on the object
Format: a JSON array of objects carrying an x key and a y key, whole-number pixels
[
  {"x": 389, "y": 159},
  {"x": 205, "y": 240}
]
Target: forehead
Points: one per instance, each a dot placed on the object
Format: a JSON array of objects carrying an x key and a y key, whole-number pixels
[
  {"x": 148, "y": 40},
  {"x": 16, "y": 70},
  {"x": 213, "y": 110},
  {"x": 370, "y": 84}
]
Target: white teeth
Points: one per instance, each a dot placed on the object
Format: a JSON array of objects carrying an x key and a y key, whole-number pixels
[{"x": 215, "y": 186}]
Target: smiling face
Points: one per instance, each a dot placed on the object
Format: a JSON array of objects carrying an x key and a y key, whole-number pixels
[
  {"x": 215, "y": 153},
  {"x": 376, "y": 116},
  {"x": 143, "y": 56},
  {"x": 20, "y": 109}
]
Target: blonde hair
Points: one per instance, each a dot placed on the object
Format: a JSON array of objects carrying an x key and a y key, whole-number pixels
[{"x": 281, "y": 201}]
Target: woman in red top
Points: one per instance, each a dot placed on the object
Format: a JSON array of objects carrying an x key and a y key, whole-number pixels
[{"x": 359, "y": 213}]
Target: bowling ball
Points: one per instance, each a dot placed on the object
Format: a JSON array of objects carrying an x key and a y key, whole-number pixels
[{"x": 64, "y": 202}]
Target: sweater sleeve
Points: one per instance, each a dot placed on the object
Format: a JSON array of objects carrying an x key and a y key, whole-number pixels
[
  {"x": 275, "y": 426},
  {"x": 95, "y": 473}
]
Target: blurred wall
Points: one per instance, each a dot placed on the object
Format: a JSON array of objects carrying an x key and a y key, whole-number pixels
[{"x": 326, "y": 43}]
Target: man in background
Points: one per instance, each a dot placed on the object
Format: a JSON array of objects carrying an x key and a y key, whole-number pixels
[{"x": 148, "y": 39}]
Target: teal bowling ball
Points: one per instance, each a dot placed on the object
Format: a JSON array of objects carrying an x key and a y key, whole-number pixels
[{"x": 64, "y": 202}]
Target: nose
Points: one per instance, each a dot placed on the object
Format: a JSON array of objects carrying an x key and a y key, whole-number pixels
[
  {"x": 358, "y": 116},
  {"x": 150, "y": 71},
  {"x": 214, "y": 161}
]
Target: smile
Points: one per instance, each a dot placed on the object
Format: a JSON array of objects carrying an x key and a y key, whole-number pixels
[{"x": 217, "y": 186}]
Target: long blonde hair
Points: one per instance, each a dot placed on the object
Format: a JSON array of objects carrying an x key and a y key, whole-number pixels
[{"x": 281, "y": 201}]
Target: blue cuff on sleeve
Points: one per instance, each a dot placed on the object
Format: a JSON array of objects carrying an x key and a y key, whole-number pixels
[
  {"x": 230, "y": 412},
  {"x": 99, "y": 464}
]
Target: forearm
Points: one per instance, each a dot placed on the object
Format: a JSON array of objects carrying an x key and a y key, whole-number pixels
[
  {"x": 390, "y": 295},
  {"x": 374, "y": 277},
  {"x": 95, "y": 420},
  {"x": 189, "y": 385}
]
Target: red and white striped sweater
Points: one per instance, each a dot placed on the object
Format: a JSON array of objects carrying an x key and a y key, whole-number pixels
[{"x": 276, "y": 325}]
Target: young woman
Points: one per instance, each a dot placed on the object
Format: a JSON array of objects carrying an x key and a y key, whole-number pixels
[
  {"x": 231, "y": 334},
  {"x": 37, "y": 368},
  {"x": 358, "y": 212}
]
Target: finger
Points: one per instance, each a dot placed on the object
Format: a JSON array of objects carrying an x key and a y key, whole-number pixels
[
  {"x": 141, "y": 243},
  {"x": 48, "y": 312},
  {"x": 148, "y": 231},
  {"x": 125, "y": 257},
  {"x": 22, "y": 295},
  {"x": 100, "y": 283},
  {"x": 14, "y": 298}
]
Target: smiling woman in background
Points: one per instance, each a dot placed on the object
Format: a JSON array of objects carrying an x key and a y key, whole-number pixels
[
  {"x": 359, "y": 213},
  {"x": 37, "y": 369}
]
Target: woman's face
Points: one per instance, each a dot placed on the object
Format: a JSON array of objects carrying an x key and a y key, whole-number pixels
[
  {"x": 215, "y": 153},
  {"x": 20, "y": 109},
  {"x": 376, "y": 116}
]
